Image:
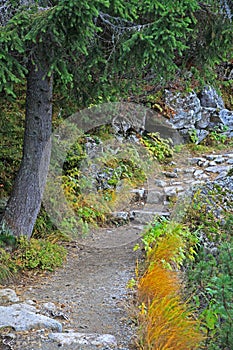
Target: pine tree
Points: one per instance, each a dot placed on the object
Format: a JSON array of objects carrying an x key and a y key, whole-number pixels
[{"x": 42, "y": 40}]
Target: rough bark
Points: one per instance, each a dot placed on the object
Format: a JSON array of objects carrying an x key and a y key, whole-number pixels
[{"x": 25, "y": 200}]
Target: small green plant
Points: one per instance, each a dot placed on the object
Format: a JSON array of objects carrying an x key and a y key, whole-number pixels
[
  {"x": 93, "y": 196},
  {"x": 193, "y": 136},
  {"x": 210, "y": 281},
  {"x": 157, "y": 146},
  {"x": 218, "y": 136}
]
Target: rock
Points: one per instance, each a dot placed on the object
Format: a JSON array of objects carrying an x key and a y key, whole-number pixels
[
  {"x": 211, "y": 156},
  {"x": 226, "y": 118},
  {"x": 187, "y": 109},
  {"x": 201, "y": 135},
  {"x": 219, "y": 160},
  {"x": 198, "y": 113},
  {"x": 84, "y": 339},
  {"x": 49, "y": 306},
  {"x": 197, "y": 173},
  {"x": 203, "y": 177},
  {"x": 170, "y": 174},
  {"x": 121, "y": 215},
  {"x": 228, "y": 155},
  {"x": 189, "y": 170},
  {"x": 8, "y": 296},
  {"x": 160, "y": 183},
  {"x": 140, "y": 193},
  {"x": 203, "y": 123},
  {"x": 217, "y": 168},
  {"x": 203, "y": 163},
  {"x": 172, "y": 191},
  {"x": 212, "y": 163},
  {"x": 30, "y": 302},
  {"x": 23, "y": 317},
  {"x": 155, "y": 197},
  {"x": 221, "y": 175},
  {"x": 195, "y": 160},
  {"x": 93, "y": 147},
  {"x": 146, "y": 216},
  {"x": 210, "y": 98}
]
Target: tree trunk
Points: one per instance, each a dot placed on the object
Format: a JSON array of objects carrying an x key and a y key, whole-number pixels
[{"x": 25, "y": 201}]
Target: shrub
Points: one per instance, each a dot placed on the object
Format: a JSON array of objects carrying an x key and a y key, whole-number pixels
[
  {"x": 38, "y": 254},
  {"x": 209, "y": 282},
  {"x": 209, "y": 277},
  {"x": 33, "y": 254}
]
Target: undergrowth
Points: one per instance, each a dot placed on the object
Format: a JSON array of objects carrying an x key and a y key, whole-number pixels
[
  {"x": 94, "y": 187},
  {"x": 17, "y": 255}
]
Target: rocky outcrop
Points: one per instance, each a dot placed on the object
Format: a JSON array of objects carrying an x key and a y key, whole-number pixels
[{"x": 199, "y": 114}]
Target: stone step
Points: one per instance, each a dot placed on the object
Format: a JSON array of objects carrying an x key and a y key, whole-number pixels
[
  {"x": 146, "y": 216},
  {"x": 155, "y": 196}
]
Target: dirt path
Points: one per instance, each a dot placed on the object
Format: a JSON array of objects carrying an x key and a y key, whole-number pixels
[{"x": 91, "y": 288}]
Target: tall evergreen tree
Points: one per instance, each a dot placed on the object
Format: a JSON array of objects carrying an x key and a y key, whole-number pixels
[{"x": 43, "y": 40}]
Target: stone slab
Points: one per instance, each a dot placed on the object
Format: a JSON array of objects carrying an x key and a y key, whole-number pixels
[{"x": 23, "y": 317}]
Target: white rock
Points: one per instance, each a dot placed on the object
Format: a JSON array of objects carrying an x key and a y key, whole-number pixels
[
  {"x": 8, "y": 296},
  {"x": 211, "y": 156},
  {"x": 189, "y": 170},
  {"x": 197, "y": 173},
  {"x": 24, "y": 317},
  {"x": 30, "y": 302},
  {"x": 49, "y": 306},
  {"x": 160, "y": 183},
  {"x": 84, "y": 339},
  {"x": 172, "y": 190},
  {"x": 220, "y": 160},
  {"x": 217, "y": 168},
  {"x": 212, "y": 163},
  {"x": 195, "y": 160}
]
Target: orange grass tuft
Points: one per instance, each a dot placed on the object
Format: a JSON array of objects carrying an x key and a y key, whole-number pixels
[
  {"x": 167, "y": 323},
  {"x": 158, "y": 283},
  {"x": 170, "y": 326},
  {"x": 167, "y": 248}
]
